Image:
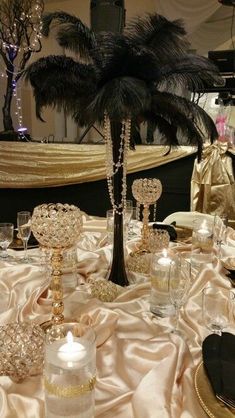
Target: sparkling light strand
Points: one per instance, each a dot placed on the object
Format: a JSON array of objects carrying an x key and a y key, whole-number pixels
[{"x": 35, "y": 15}]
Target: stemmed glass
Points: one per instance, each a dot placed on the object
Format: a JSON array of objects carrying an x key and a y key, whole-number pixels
[
  {"x": 179, "y": 283},
  {"x": 217, "y": 308},
  {"x": 127, "y": 217},
  {"x": 220, "y": 231},
  {"x": 6, "y": 237},
  {"x": 24, "y": 230}
]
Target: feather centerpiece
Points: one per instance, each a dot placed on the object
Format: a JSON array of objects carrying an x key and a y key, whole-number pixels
[{"x": 131, "y": 76}]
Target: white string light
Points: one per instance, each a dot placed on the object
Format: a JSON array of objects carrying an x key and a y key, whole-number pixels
[{"x": 34, "y": 17}]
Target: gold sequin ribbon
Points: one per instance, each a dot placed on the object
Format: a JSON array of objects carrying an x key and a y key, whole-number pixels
[{"x": 69, "y": 391}]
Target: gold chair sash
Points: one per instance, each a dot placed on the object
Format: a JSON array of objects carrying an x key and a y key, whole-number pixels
[{"x": 212, "y": 184}]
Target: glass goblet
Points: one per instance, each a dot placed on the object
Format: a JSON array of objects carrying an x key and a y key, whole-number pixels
[
  {"x": 217, "y": 308},
  {"x": 128, "y": 212},
  {"x": 24, "y": 230},
  {"x": 6, "y": 237},
  {"x": 179, "y": 283},
  {"x": 220, "y": 231}
]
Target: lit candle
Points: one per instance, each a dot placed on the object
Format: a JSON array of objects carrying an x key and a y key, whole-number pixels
[
  {"x": 203, "y": 230},
  {"x": 71, "y": 351},
  {"x": 165, "y": 260},
  {"x": 69, "y": 371},
  {"x": 160, "y": 303}
]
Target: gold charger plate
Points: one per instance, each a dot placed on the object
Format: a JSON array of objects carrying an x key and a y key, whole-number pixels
[{"x": 211, "y": 405}]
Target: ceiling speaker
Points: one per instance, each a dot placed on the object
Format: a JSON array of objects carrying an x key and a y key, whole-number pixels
[{"x": 108, "y": 16}]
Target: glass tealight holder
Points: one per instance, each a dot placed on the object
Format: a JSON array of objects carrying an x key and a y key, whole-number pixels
[
  {"x": 160, "y": 303},
  {"x": 202, "y": 242},
  {"x": 70, "y": 371}
]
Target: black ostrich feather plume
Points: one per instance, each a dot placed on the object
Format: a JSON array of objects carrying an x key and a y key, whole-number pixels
[{"x": 134, "y": 74}]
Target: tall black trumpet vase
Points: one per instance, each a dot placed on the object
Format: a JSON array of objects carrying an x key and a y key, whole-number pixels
[{"x": 118, "y": 272}]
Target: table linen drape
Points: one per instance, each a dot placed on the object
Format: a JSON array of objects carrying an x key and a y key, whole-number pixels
[
  {"x": 44, "y": 165},
  {"x": 142, "y": 369}
]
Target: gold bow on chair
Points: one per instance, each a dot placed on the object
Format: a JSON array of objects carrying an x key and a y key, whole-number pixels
[{"x": 212, "y": 184}]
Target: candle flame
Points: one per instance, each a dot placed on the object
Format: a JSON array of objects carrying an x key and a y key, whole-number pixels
[
  {"x": 69, "y": 338},
  {"x": 164, "y": 252},
  {"x": 204, "y": 226}
]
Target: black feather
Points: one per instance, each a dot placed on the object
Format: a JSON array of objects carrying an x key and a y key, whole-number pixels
[
  {"x": 191, "y": 71},
  {"x": 167, "y": 39},
  {"x": 121, "y": 98},
  {"x": 72, "y": 34},
  {"x": 131, "y": 75},
  {"x": 60, "y": 82}
]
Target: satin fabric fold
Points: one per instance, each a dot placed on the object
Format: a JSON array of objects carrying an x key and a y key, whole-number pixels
[
  {"x": 213, "y": 184},
  {"x": 143, "y": 370},
  {"x": 44, "y": 165}
]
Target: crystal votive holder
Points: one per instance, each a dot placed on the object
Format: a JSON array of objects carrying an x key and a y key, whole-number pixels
[
  {"x": 202, "y": 242},
  {"x": 160, "y": 303},
  {"x": 70, "y": 371},
  {"x": 21, "y": 350}
]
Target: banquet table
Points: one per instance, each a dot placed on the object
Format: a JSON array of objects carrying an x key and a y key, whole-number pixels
[{"x": 143, "y": 369}]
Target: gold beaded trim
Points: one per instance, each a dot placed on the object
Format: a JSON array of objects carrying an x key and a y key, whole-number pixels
[
  {"x": 209, "y": 413},
  {"x": 69, "y": 391}
]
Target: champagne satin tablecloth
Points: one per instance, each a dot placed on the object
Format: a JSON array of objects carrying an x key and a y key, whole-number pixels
[{"x": 143, "y": 370}]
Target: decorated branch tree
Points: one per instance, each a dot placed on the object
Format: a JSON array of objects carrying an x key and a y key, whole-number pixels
[
  {"x": 120, "y": 80},
  {"x": 20, "y": 33}
]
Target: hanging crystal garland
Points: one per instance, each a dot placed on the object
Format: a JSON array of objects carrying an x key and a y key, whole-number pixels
[
  {"x": 155, "y": 212},
  {"x": 113, "y": 167}
]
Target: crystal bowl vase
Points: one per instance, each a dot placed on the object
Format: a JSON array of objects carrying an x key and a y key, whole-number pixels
[{"x": 56, "y": 227}]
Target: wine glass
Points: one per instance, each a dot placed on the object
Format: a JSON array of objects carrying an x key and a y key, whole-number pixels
[
  {"x": 128, "y": 212},
  {"x": 220, "y": 231},
  {"x": 179, "y": 283},
  {"x": 24, "y": 230},
  {"x": 217, "y": 308},
  {"x": 6, "y": 237}
]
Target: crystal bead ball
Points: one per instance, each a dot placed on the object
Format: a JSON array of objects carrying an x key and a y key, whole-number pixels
[
  {"x": 146, "y": 191},
  {"x": 21, "y": 350},
  {"x": 56, "y": 225}
]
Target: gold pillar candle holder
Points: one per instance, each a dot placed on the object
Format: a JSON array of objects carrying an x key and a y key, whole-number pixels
[
  {"x": 158, "y": 239},
  {"x": 146, "y": 191},
  {"x": 56, "y": 227}
]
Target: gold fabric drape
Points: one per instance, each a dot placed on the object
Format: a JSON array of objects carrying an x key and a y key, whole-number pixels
[
  {"x": 213, "y": 185},
  {"x": 25, "y": 165}
]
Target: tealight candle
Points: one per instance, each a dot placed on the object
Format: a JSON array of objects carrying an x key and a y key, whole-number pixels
[
  {"x": 202, "y": 242},
  {"x": 71, "y": 351},
  {"x": 164, "y": 260},
  {"x": 69, "y": 371},
  {"x": 203, "y": 230}
]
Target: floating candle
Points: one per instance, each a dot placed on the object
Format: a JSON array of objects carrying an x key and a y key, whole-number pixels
[
  {"x": 203, "y": 230},
  {"x": 165, "y": 260},
  {"x": 71, "y": 351}
]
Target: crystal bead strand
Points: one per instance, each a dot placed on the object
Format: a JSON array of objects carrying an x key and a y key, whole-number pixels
[
  {"x": 155, "y": 212},
  {"x": 111, "y": 167}
]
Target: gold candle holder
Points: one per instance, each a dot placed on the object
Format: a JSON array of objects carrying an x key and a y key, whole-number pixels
[
  {"x": 56, "y": 227},
  {"x": 146, "y": 192}
]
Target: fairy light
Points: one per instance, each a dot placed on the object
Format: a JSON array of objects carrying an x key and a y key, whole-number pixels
[{"x": 9, "y": 46}]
